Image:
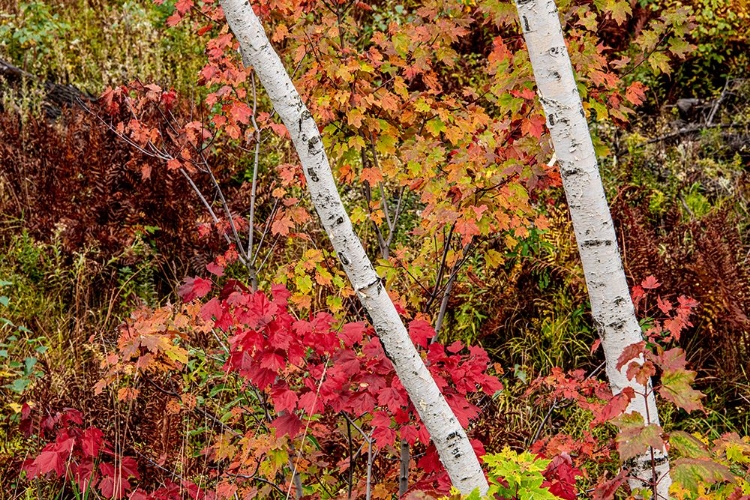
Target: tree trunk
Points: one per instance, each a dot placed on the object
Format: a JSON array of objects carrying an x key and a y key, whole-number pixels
[
  {"x": 611, "y": 305},
  {"x": 449, "y": 437}
]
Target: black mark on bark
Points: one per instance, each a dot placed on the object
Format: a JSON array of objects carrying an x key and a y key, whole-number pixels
[{"x": 343, "y": 259}]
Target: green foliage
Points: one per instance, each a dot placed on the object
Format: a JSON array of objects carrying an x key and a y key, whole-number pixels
[
  {"x": 92, "y": 46},
  {"x": 709, "y": 470},
  {"x": 516, "y": 475},
  {"x": 512, "y": 476},
  {"x": 18, "y": 367},
  {"x": 33, "y": 35}
]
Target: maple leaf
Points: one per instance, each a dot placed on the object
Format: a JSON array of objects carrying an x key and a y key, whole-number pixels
[
  {"x": 241, "y": 112},
  {"x": 456, "y": 347},
  {"x": 211, "y": 309},
  {"x": 194, "y": 288},
  {"x": 112, "y": 486},
  {"x": 174, "y": 164},
  {"x": 695, "y": 474},
  {"x": 168, "y": 98},
  {"x": 676, "y": 386},
  {"x": 48, "y": 461},
  {"x": 145, "y": 172},
  {"x": 226, "y": 490},
  {"x": 606, "y": 490},
  {"x": 281, "y": 226},
  {"x": 631, "y": 353},
  {"x": 614, "y": 407},
  {"x": 467, "y": 229},
  {"x": 641, "y": 373},
  {"x": 352, "y": 333},
  {"x": 183, "y": 6},
  {"x": 232, "y": 130},
  {"x": 382, "y": 432},
  {"x": 392, "y": 398},
  {"x": 534, "y": 126},
  {"x": 284, "y": 398},
  {"x": 634, "y": 437},
  {"x": 560, "y": 476},
  {"x": 435, "y": 126},
  {"x": 362, "y": 403},
  {"x": 409, "y": 433},
  {"x": 273, "y": 360},
  {"x": 687, "y": 445},
  {"x": 127, "y": 394},
  {"x": 421, "y": 332},
  {"x": 308, "y": 402},
  {"x": 287, "y": 425},
  {"x": 371, "y": 175},
  {"x": 215, "y": 269},
  {"x": 636, "y": 93},
  {"x": 650, "y": 283}
]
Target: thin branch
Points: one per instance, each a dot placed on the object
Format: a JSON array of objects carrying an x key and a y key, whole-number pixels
[
  {"x": 444, "y": 304},
  {"x": 298, "y": 481},
  {"x": 224, "y": 204},
  {"x": 717, "y": 103},
  {"x": 441, "y": 269},
  {"x": 395, "y": 217},
  {"x": 265, "y": 231},
  {"x": 208, "y": 207},
  {"x": 253, "y": 195}
]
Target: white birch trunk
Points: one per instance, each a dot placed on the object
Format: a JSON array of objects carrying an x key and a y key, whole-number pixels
[
  {"x": 611, "y": 305},
  {"x": 449, "y": 437}
]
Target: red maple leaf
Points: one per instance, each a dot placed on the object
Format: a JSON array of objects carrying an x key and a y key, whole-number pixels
[
  {"x": 391, "y": 398},
  {"x": 273, "y": 360},
  {"x": 561, "y": 477},
  {"x": 215, "y": 269},
  {"x": 287, "y": 425},
  {"x": 382, "y": 432},
  {"x": 421, "y": 332},
  {"x": 212, "y": 309},
  {"x": 352, "y": 333},
  {"x": 92, "y": 442},
  {"x": 614, "y": 406},
  {"x": 183, "y": 6},
  {"x": 194, "y": 288},
  {"x": 284, "y": 398},
  {"x": 241, "y": 112},
  {"x": 650, "y": 283},
  {"x": 631, "y": 352}
]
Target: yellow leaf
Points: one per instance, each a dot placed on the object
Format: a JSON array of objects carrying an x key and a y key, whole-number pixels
[{"x": 493, "y": 259}]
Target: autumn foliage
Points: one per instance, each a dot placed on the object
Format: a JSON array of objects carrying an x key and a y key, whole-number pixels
[{"x": 255, "y": 373}]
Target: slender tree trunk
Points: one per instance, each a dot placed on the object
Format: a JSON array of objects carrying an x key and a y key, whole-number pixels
[
  {"x": 611, "y": 304},
  {"x": 449, "y": 437}
]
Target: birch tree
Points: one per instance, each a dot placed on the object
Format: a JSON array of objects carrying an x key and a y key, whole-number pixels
[
  {"x": 611, "y": 305},
  {"x": 449, "y": 437}
]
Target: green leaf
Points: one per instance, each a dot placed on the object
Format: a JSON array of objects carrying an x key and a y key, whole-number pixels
[
  {"x": 676, "y": 387},
  {"x": 687, "y": 445},
  {"x": 435, "y": 126},
  {"x": 29, "y": 364},
  {"x": 401, "y": 44},
  {"x": 4, "y": 300},
  {"x": 660, "y": 63},
  {"x": 692, "y": 473},
  {"x": 19, "y": 385}
]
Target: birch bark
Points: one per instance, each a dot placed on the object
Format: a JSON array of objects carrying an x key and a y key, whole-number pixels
[
  {"x": 611, "y": 305},
  {"x": 449, "y": 437}
]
